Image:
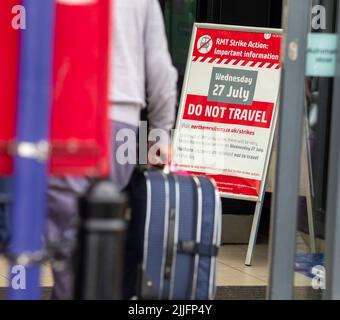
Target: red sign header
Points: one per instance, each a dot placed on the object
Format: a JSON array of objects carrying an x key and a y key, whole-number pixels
[{"x": 239, "y": 47}]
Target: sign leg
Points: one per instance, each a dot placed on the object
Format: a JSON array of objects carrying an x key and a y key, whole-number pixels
[
  {"x": 254, "y": 231},
  {"x": 309, "y": 191},
  {"x": 311, "y": 229}
]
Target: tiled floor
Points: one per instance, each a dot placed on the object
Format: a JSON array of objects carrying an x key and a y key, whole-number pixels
[{"x": 231, "y": 270}]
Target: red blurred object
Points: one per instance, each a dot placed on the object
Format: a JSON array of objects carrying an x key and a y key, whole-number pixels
[
  {"x": 9, "y": 54},
  {"x": 80, "y": 131},
  {"x": 80, "y": 126}
]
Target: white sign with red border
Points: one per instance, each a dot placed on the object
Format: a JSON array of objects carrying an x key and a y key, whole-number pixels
[{"x": 228, "y": 108}]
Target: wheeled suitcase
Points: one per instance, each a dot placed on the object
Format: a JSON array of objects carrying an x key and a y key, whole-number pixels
[{"x": 174, "y": 234}]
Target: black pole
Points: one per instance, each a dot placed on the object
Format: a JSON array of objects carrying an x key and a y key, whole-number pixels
[{"x": 100, "y": 251}]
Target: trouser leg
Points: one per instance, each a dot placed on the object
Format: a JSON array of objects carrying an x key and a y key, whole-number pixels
[
  {"x": 61, "y": 231},
  {"x": 62, "y": 218}
]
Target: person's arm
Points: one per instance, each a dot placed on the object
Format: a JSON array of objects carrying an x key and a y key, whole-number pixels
[{"x": 161, "y": 76}]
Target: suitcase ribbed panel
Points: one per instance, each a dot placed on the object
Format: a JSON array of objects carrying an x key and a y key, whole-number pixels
[
  {"x": 172, "y": 206},
  {"x": 207, "y": 238},
  {"x": 187, "y": 232},
  {"x": 156, "y": 223},
  {"x": 217, "y": 240},
  {"x": 199, "y": 220},
  {"x": 176, "y": 235}
]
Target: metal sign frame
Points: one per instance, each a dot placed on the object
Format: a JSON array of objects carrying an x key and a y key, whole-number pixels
[{"x": 259, "y": 200}]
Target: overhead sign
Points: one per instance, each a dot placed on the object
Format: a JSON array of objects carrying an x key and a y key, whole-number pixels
[
  {"x": 322, "y": 54},
  {"x": 80, "y": 130},
  {"x": 228, "y": 107},
  {"x": 80, "y": 126}
]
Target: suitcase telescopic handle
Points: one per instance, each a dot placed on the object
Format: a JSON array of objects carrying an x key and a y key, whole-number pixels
[{"x": 166, "y": 169}]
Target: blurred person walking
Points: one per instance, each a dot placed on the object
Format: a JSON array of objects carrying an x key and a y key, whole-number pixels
[{"x": 142, "y": 77}]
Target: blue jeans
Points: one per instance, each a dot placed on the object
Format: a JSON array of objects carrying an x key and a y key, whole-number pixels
[{"x": 62, "y": 218}]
